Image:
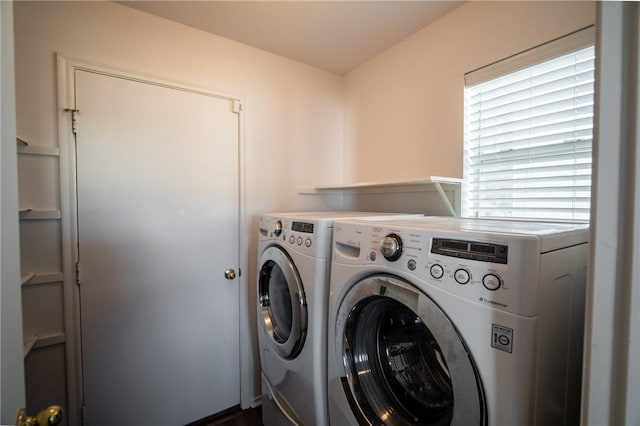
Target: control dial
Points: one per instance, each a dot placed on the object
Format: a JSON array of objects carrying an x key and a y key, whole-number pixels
[
  {"x": 277, "y": 228},
  {"x": 391, "y": 247}
]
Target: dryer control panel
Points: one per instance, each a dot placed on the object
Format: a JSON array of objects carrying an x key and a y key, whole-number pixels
[
  {"x": 498, "y": 271},
  {"x": 307, "y": 237}
]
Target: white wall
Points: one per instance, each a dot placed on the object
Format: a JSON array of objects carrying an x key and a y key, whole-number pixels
[
  {"x": 404, "y": 108},
  {"x": 293, "y": 113}
]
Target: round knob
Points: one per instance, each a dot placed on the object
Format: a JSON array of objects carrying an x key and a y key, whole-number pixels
[
  {"x": 277, "y": 228},
  {"x": 230, "y": 274},
  {"x": 391, "y": 247}
]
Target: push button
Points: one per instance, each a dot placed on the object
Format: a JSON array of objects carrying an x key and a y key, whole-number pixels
[
  {"x": 307, "y": 242},
  {"x": 299, "y": 241},
  {"x": 462, "y": 276},
  {"x": 436, "y": 271},
  {"x": 491, "y": 282}
]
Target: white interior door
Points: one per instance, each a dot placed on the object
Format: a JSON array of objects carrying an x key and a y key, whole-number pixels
[{"x": 157, "y": 194}]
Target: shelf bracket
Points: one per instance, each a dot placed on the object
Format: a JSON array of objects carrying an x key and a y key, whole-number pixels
[{"x": 445, "y": 199}]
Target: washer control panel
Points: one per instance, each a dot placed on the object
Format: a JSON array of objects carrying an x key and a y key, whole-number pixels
[
  {"x": 495, "y": 270},
  {"x": 392, "y": 246}
]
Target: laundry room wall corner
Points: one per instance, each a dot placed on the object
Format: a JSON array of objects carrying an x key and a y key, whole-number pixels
[{"x": 404, "y": 108}]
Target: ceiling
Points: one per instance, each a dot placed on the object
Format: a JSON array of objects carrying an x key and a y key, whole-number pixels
[{"x": 333, "y": 35}]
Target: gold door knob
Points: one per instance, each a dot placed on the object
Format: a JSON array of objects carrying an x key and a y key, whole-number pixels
[
  {"x": 51, "y": 415},
  {"x": 230, "y": 274}
]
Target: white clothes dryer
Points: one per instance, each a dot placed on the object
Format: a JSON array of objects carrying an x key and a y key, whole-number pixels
[
  {"x": 441, "y": 321},
  {"x": 294, "y": 259}
]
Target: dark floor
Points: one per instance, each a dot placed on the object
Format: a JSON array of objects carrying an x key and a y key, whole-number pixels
[{"x": 235, "y": 417}]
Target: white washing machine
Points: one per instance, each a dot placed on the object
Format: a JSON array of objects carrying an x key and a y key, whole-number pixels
[
  {"x": 465, "y": 322},
  {"x": 294, "y": 259}
]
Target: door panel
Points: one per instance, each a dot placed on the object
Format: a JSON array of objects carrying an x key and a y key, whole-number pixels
[
  {"x": 283, "y": 305},
  {"x": 157, "y": 182},
  {"x": 405, "y": 363}
]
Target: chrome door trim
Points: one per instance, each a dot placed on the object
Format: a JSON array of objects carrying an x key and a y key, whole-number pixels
[
  {"x": 291, "y": 347},
  {"x": 469, "y": 406}
]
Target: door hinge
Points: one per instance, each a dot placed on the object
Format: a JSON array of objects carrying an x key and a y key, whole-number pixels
[
  {"x": 237, "y": 106},
  {"x": 78, "y": 273},
  {"x": 74, "y": 119}
]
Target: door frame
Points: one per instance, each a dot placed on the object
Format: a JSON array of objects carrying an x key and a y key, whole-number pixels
[
  {"x": 66, "y": 68},
  {"x": 12, "y": 385}
]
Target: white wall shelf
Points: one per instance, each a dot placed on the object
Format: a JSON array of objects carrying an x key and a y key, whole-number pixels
[
  {"x": 28, "y": 344},
  {"x": 440, "y": 184},
  {"x": 431, "y": 180},
  {"x": 25, "y": 147},
  {"x": 27, "y": 277},
  {"x": 32, "y": 278},
  {"x": 34, "y": 342},
  {"x": 36, "y": 214}
]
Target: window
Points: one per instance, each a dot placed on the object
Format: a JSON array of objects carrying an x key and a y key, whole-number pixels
[{"x": 528, "y": 135}]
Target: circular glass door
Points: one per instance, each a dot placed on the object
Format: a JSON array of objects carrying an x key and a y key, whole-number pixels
[
  {"x": 404, "y": 361},
  {"x": 281, "y": 303}
]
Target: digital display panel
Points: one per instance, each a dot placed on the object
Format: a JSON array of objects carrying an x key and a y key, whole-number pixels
[
  {"x": 455, "y": 245},
  {"x": 483, "y": 248},
  {"x": 302, "y": 227},
  {"x": 483, "y": 252}
]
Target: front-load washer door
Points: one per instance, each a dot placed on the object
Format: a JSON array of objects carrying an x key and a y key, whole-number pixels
[
  {"x": 282, "y": 304},
  {"x": 404, "y": 361}
]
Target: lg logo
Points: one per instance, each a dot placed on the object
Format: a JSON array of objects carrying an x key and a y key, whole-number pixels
[{"x": 501, "y": 338}]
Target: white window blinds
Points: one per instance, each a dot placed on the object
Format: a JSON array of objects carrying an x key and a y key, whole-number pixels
[{"x": 528, "y": 137}]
